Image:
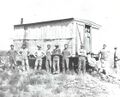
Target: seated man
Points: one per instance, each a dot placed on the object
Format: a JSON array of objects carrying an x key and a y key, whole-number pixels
[{"x": 92, "y": 63}]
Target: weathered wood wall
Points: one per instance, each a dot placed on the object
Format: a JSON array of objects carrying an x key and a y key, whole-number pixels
[{"x": 64, "y": 32}]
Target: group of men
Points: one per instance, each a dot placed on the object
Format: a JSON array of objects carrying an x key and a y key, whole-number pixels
[
  {"x": 52, "y": 58},
  {"x": 50, "y": 63}
]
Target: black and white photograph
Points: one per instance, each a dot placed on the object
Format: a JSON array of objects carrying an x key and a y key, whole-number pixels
[{"x": 59, "y": 48}]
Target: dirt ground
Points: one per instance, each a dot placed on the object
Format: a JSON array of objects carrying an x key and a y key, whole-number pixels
[{"x": 43, "y": 84}]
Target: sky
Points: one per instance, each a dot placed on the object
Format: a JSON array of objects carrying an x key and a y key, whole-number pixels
[{"x": 103, "y": 12}]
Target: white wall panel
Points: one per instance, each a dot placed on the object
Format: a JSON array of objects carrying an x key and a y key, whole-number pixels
[
  {"x": 19, "y": 33},
  {"x": 57, "y": 33}
]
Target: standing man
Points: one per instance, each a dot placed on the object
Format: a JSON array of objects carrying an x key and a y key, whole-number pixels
[
  {"x": 103, "y": 57},
  {"x": 48, "y": 58},
  {"x": 66, "y": 55},
  {"x": 39, "y": 55},
  {"x": 12, "y": 56},
  {"x": 24, "y": 56},
  {"x": 115, "y": 57},
  {"x": 82, "y": 60},
  {"x": 56, "y": 59}
]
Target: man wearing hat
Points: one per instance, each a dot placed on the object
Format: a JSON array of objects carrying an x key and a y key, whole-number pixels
[
  {"x": 24, "y": 56},
  {"x": 12, "y": 56},
  {"x": 39, "y": 55},
  {"x": 56, "y": 59},
  {"x": 82, "y": 60}
]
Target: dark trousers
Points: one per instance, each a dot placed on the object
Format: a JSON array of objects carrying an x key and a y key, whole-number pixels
[{"x": 82, "y": 64}]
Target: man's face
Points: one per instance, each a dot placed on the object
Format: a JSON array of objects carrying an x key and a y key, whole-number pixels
[
  {"x": 89, "y": 55},
  {"x": 39, "y": 48},
  {"x": 115, "y": 49},
  {"x": 48, "y": 46},
  {"x": 66, "y": 46},
  {"x": 104, "y": 46},
  {"x": 56, "y": 46},
  {"x": 24, "y": 47},
  {"x": 82, "y": 47},
  {"x": 12, "y": 47}
]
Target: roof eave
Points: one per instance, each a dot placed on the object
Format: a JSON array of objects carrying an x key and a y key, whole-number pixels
[
  {"x": 43, "y": 22},
  {"x": 87, "y": 22}
]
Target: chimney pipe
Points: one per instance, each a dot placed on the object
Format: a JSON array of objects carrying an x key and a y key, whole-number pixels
[{"x": 21, "y": 21}]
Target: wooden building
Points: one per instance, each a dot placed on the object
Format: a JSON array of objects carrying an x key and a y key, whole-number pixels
[{"x": 71, "y": 31}]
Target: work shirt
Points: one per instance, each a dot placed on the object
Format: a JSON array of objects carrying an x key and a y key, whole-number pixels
[
  {"x": 48, "y": 53},
  {"x": 56, "y": 53},
  {"x": 66, "y": 53},
  {"x": 12, "y": 54},
  {"x": 115, "y": 56},
  {"x": 82, "y": 53},
  {"x": 92, "y": 61},
  {"x": 24, "y": 53},
  {"x": 115, "y": 59},
  {"x": 104, "y": 54},
  {"x": 39, "y": 53}
]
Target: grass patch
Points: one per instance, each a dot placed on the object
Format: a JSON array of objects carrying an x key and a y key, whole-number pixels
[
  {"x": 57, "y": 90},
  {"x": 14, "y": 79},
  {"x": 2, "y": 94}
]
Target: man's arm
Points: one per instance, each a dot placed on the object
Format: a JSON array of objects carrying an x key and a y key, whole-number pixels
[
  {"x": 16, "y": 52},
  {"x": 53, "y": 52},
  {"x": 69, "y": 54},
  {"x": 60, "y": 52},
  {"x": 99, "y": 55},
  {"x": 43, "y": 53},
  {"x": 85, "y": 53},
  {"x": 20, "y": 52},
  {"x": 8, "y": 53},
  {"x": 28, "y": 52},
  {"x": 35, "y": 54}
]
